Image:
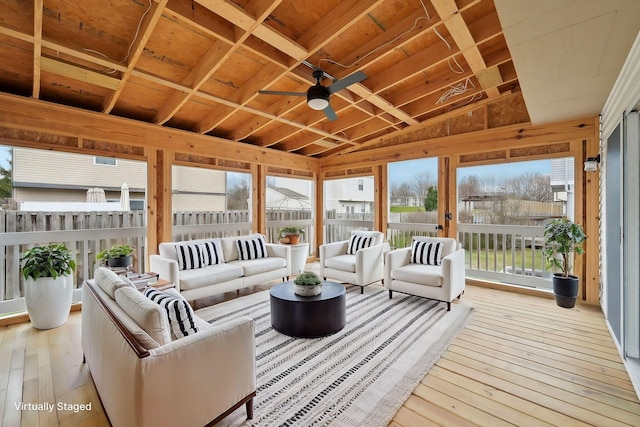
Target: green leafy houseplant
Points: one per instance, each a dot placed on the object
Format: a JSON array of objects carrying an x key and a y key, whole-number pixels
[
  {"x": 53, "y": 261},
  {"x": 307, "y": 278},
  {"x": 563, "y": 237},
  {"x": 115, "y": 252},
  {"x": 291, "y": 230}
]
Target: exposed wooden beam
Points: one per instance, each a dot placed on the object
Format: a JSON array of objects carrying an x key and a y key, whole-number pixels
[
  {"x": 217, "y": 54},
  {"x": 520, "y": 135},
  {"x": 78, "y": 73},
  {"x": 37, "y": 46},
  {"x": 41, "y": 116},
  {"x": 457, "y": 27},
  {"x": 208, "y": 64},
  {"x": 148, "y": 24}
]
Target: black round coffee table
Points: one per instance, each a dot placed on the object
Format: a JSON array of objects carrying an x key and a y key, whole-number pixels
[{"x": 308, "y": 317}]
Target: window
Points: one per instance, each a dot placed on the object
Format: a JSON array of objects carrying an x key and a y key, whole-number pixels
[
  {"x": 109, "y": 161},
  {"x": 413, "y": 200},
  {"x": 343, "y": 203}
]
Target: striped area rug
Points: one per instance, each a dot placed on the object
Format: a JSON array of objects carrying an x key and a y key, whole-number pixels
[{"x": 360, "y": 376}]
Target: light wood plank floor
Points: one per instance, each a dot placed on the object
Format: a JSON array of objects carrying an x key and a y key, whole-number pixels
[{"x": 520, "y": 361}]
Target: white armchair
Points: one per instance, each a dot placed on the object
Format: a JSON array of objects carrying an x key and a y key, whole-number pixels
[
  {"x": 362, "y": 268},
  {"x": 405, "y": 273}
]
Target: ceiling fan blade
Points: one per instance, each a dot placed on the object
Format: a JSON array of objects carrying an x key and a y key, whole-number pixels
[
  {"x": 275, "y": 92},
  {"x": 356, "y": 77},
  {"x": 331, "y": 115}
]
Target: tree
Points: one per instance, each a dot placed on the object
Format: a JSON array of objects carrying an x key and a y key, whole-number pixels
[
  {"x": 469, "y": 186},
  {"x": 421, "y": 184},
  {"x": 238, "y": 195},
  {"x": 531, "y": 186},
  {"x": 403, "y": 190},
  {"x": 431, "y": 201},
  {"x": 5, "y": 180}
]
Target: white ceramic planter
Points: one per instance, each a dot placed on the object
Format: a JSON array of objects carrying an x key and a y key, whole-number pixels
[
  {"x": 48, "y": 301},
  {"x": 307, "y": 291}
]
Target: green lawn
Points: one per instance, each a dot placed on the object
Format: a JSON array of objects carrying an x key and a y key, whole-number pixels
[
  {"x": 407, "y": 209},
  {"x": 488, "y": 258}
]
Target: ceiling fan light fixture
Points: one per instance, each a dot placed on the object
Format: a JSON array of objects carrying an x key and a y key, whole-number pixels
[{"x": 318, "y": 97}]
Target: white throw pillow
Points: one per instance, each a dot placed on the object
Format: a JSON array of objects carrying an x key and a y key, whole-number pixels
[
  {"x": 179, "y": 312},
  {"x": 149, "y": 316},
  {"x": 108, "y": 281}
]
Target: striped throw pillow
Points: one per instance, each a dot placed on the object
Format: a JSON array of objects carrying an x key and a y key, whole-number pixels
[
  {"x": 190, "y": 255},
  {"x": 429, "y": 253},
  {"x": 212, "y": 253},
  {"x": 251, "y": 248},
  {"x": 358, "y": 242},
  {"x": 179, "y": 312}
]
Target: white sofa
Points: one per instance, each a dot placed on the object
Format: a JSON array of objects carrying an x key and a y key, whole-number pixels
[
  {"x": 144, "y": 377},
  {"x": 443, "y": 282},
  {"x": 231, "y": 275},
  {"x": 362, "y": 268}
]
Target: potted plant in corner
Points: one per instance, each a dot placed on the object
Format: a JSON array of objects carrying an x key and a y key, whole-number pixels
[
  {"x": 118, "y": 256},
  {"x": 291, "y": 235},
  {"x": 308, "y": 284},
  {"x": 48, "y": 286},
  {"x": 563, "y": 237}
]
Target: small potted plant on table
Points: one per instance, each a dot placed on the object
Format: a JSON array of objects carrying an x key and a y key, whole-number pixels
[
  {"x": 118, "y": 256},
  {"x": 307, "y": 284},
  {"x": 291, "y": 235},
  {"x": 563, "y": 237},
  {"x": 48, "y": 285}
]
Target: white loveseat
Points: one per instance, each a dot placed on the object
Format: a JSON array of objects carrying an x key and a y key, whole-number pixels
[
  {"x": 338, "y": 260},
  {"x": 230, "y": 275},
  {"x": 146, "y": 377},
  {"x": 444, "y": 281}
]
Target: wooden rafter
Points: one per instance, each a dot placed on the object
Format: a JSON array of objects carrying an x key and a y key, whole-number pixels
[
  {"x": 147, "y": 25},
  {"x": 37, "y": 46},
  {"x": 408, "y": 50}
]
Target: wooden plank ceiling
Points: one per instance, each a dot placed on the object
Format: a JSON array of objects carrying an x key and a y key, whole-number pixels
[{"x": 198, "y": 65}]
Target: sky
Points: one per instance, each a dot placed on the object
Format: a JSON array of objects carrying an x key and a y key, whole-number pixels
[
  {"x": 4, "y": 157},
  {"x": 400, "y": 172}
]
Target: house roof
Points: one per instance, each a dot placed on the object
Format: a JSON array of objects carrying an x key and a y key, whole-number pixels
[{"x": 199, "y": 65}]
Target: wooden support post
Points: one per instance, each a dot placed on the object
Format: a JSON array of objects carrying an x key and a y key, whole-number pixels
[
  {"x": 579, "y": 264},
  {"x": 447, "y": 197},
  {"x": 381, "y": 198},
  {"x": 591, "y": 218},
  {"x": 319, "y": 212},
  {"x": 159, "y": 208},
  {"x": 258, "y": 198}
]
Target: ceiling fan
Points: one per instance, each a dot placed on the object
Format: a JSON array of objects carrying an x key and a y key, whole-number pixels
[{"x": 318, "y": 95}]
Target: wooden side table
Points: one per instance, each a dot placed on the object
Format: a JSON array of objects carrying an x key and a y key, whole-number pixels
[{"x": 160, "y": 285}]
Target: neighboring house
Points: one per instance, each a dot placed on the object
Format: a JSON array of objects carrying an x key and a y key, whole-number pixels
[
  {"x": 407, "y": 201},
  {"x": 198, "y": 189},
  {"x": 53, "y": 176},
  {"x": 349, "y": 195},
  {"x": 562, "y": 184}
]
